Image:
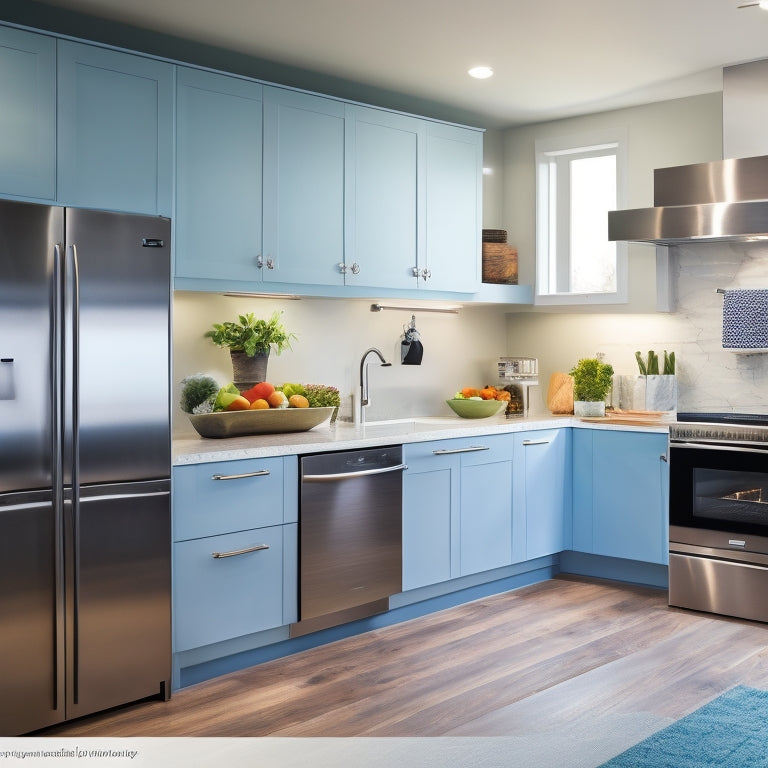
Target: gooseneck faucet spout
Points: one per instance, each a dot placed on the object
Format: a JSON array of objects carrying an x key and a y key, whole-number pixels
[{"x": 364, "y": 396}]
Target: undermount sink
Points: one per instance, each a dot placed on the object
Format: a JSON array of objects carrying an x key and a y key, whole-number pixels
[{"x": 408, "y": 426}]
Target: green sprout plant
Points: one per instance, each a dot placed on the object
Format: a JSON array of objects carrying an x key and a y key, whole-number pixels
[{"x": 650, "y": 366}]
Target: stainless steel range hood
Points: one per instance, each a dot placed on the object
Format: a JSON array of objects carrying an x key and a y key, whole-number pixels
[
  {"x": 721, "y": 200},
  {"x": 724, "y": 200}
]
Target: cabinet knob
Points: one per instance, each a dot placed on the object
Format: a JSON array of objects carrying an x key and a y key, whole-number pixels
[
  {"x": 415, "y": 271},
  {"x": 355, "y": 268},
  {"x": 270, "y": 263},
  {"x": 342, "y": 267},
  {"x": 259, "y": 262},
  {"x": 426, "y": 274}
]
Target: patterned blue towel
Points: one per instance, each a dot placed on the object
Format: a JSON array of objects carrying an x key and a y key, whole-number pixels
[{"x": 745, "y": 319}]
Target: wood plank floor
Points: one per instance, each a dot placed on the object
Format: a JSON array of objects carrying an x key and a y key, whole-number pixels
[{"x": 544, "y": 657}]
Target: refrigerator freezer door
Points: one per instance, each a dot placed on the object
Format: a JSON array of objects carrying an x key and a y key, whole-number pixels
[
  {"x": 118, "y": 596},
  {"x": 31, "y": 659},
  {"x": 28, "y": 235},
  {"x": 119, "y": 275}
]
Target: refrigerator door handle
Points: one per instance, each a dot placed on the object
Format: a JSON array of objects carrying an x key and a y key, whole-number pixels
[
  {"x": 75, "y": 373},
  {"x": 57, "y": 468}
]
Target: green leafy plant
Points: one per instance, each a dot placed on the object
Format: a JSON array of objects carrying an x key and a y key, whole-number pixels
[
  {"x": 252, "y": 335},
  {"x": 650, "y": 366},
  {"x": 592, "y": 380}
]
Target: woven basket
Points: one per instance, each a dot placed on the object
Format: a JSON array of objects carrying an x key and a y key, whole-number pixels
[
  {"x": 499, "y": 264},
  {"x": 494, "y": 235}
]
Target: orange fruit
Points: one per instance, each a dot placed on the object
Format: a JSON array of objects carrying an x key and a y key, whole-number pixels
[
  {"x": 260, "y": 404},
  {"x": 239, "y": 404},
  {"x": 276, "y": 399},
  {"x": 298, "y": 401}
]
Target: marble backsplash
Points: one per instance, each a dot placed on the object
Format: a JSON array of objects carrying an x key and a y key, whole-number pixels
[{"x": 710, "y": 377}]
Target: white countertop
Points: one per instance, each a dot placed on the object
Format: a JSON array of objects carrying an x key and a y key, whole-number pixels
[{"x": 346, "y": 436}]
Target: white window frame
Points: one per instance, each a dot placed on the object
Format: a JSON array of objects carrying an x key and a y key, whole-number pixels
[{"x": 552, "y": 229}]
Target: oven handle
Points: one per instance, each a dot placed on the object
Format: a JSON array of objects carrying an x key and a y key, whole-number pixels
[
  {"x": 717, "y": 447},
  {"x": 347, "y": 475}
]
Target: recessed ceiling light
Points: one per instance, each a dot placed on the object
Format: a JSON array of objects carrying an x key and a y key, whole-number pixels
[{"x": 481, "y": 73}]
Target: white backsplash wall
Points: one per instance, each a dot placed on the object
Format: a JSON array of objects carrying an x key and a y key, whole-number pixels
[
  {"x": 709, "y": 377},
  {"x": 459, "y": 350}
]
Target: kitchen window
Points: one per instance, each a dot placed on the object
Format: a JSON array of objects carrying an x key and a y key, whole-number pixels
[{"x": 577, "y": 182}]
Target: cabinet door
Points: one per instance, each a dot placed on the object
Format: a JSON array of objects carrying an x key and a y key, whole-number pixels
[
  {"x": 218, "y": 177},
  {"x": 543, "y": 490},
  {"x": 486, "y": 505},
  {"x": 430, "y": 515},
  {"x": 303, "y": 188},
  {"x": 630, "y": 513},
  {"x": 227, "y": 586},
  {"x": 115, "y": 113},
  {"x": 453, "y": 208},
  {"x": 27, "y": 114},
  {"x": 583, "y": 490},
  {"x": 384, "y": 199}
]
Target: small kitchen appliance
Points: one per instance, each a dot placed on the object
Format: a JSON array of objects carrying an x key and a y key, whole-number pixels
[{"x": 518, "y": 375}]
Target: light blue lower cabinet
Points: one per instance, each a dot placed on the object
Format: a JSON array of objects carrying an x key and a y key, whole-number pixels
[
  {"x": 233, "y": 585},
  {"x": 486, "y": 506},
  {"x": 621, "y": 482},
  {"x": 542, "y": 492},
  {"x": 457, "y": 508}
]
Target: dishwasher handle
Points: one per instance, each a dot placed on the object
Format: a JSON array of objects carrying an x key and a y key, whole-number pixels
[{"x": 330, "y": 478}]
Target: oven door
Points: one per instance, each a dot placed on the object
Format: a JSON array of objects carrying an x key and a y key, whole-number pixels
[{"x": 716, "y": 487}]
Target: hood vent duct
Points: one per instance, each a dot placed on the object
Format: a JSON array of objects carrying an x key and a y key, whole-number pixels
[{"x": 725, "y": 200}]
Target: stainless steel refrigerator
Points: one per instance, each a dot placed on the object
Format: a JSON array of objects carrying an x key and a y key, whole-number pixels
[{"x": 84, "y": 462}]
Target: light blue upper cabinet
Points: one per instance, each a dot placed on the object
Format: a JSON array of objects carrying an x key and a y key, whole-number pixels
[
  {"x": 27, "y": 114},
  {"x": 303, "y": 188},
  {"x": 218, "y": 225},
  {"x": 454, "y": 168},
  {"x": 385, "y": 197},
  {"x": 115, "y": 130}
]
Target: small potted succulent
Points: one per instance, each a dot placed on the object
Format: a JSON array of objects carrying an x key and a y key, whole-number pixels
[
  {"x": 250, "y": 340},
  {"x": 592, "y": 381}
]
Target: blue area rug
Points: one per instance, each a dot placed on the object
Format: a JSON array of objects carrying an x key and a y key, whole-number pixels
[{"x": 729, "y": 732}]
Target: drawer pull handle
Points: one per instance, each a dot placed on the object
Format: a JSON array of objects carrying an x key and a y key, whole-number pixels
[
  {"x": 260, "y": 473},
  {"x": 536, "y": 442},
  {"x": 235, "y": 552},
  {"x": 468, "y": 449}
]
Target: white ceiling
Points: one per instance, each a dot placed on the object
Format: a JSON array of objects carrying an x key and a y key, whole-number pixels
[{"x": 552, "y": 58}]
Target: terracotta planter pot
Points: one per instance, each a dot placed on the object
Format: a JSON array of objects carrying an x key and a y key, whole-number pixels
[{"x": 247, "y": 371}]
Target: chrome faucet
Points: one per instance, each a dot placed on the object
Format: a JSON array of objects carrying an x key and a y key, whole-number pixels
[{"x": 364, "y": 397}]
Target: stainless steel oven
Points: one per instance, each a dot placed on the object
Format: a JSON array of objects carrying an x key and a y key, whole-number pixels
[{"x": 718, "y": 514}]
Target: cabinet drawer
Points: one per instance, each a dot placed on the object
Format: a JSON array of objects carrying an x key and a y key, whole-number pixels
[
  {"x": 482, "y": 449},
  {"x": 229, "y": 496},
  {"x": 219, "y": 598}
]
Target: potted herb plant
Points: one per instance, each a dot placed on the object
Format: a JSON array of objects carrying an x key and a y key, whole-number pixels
[
  {"x": 250, "y": 340},
  {"x": 592, "y": 381}
]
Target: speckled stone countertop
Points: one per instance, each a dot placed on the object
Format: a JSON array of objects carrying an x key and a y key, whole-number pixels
[{"x": 346, "y": 436}]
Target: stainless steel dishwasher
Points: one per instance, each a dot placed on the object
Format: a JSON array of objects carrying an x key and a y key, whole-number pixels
[{"x": 350, "y": 536}]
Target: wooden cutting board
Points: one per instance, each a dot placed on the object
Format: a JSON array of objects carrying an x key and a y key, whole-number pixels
[{"x": 629, "y": 418}]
